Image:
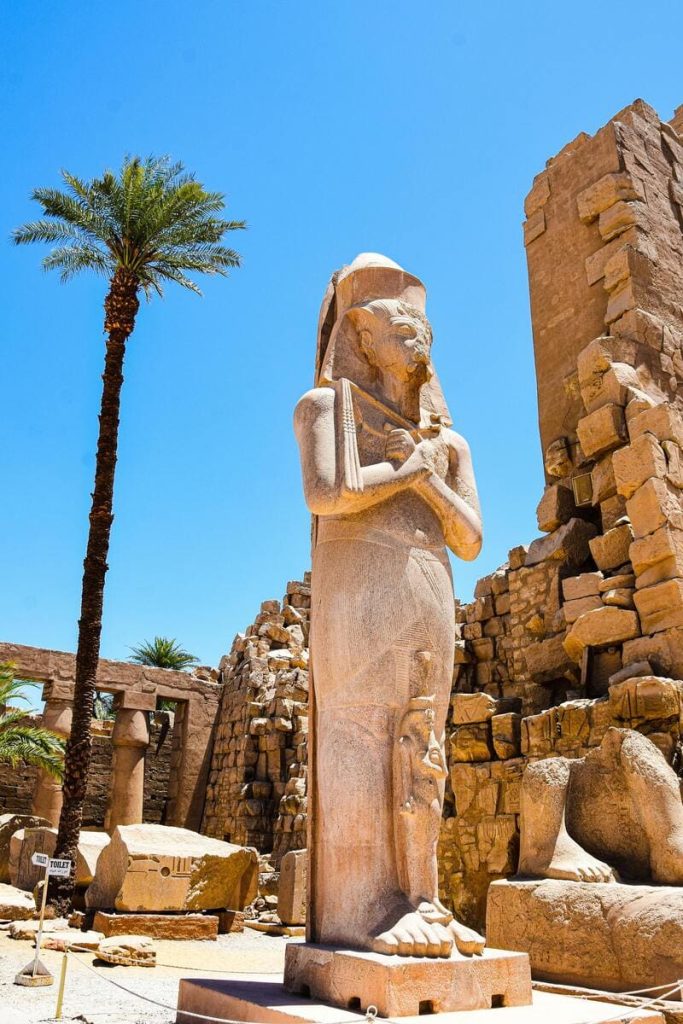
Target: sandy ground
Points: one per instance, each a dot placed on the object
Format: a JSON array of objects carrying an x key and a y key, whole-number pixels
[{"x": 91, "y": 998}]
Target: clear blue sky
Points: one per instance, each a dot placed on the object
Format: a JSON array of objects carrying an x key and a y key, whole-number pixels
[{"x": 413, "y": 129}]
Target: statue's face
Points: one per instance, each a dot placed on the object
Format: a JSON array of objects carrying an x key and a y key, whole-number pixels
[{"x": 401, "y": 345}]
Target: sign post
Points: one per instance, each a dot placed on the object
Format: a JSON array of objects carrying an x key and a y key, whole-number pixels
[{"x": 36, "y": 973}]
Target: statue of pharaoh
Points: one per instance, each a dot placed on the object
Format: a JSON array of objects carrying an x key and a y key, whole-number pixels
[{"x": 390, "y": 487}]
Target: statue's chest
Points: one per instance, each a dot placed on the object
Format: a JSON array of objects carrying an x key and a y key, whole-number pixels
[{"x": 373, "y": 426}]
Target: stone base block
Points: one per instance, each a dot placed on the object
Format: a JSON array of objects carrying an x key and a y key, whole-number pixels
[
  {"x": 158, "y": 926},
  {"x": 407, "y": 986},
  {"x": 607, "y": 936},
  {"x": 268, "y": 1002}
]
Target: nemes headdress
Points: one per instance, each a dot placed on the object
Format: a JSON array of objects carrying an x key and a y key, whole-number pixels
[{"x": 371, "y": 276}]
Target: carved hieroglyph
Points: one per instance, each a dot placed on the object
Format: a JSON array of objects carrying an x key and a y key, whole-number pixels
[{"x": 391, "y": 487}]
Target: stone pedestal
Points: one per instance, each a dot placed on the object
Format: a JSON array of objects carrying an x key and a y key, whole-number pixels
[
  {"x": 265, "y": 1000},
  {"x": 47, "y": 793},
  {"x": 606, "y": 936},
  {"x": 407, "y": 986},
  {"x": 130, "y": 738}
]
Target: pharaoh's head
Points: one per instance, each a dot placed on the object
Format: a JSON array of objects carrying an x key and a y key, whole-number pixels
[{"x": 374, "y": 332}]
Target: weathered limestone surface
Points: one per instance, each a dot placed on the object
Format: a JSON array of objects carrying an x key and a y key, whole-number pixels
[
  {"x": 15, "y": 905},
  {"x": 42, "y": 839},
  {"x": 293, "y": 888},
  {"x": 603, "y": 936},
  {"x": 185, "y": 927},
  {"x": 9, "y": 824},
  {"x": 160, "y": 868},
  {"x": 405, "y": 988}
]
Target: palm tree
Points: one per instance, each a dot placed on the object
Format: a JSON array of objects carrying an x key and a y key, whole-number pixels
[
  {"x": 145, "y": 225},
  {"x": 21, "y": 742},
  {"x": 163, "y": 652}
]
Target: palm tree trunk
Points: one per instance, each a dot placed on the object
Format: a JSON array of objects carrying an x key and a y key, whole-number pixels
[{"x": 120, "y": 306}]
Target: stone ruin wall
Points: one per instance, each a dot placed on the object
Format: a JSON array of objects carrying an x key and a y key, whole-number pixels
[
  {"x": 583, "y": 628},
  {"x": 257, "y": 783},
  {"x": 17, "y": 786}
]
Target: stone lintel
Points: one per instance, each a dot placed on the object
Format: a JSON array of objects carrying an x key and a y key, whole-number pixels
[
  {"x": 407, "y": 986},
  {"x": 134, "y": 700}
]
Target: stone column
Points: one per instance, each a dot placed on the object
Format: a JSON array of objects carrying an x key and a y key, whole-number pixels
[
  {"x": 47, "y": 792},
  {"x": 130, "y": 738}
]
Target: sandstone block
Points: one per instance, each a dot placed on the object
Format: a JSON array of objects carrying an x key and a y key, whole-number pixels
[
  {"x": 547, "y": 660},
  {"x": 664, "y": 651},
  {"x": 185, "y": 927},
  {"x": 568, "y": 544},
  {"x": 611, "y": 549},
  {"x": 657, "y": 557},
  {"x": 468, "y": 708},
  {"x": 618, "y": 218},
  {"x": 15, "y": 904},
  {"x": 604, "y": 193},
  {"x": 660, "y": 607},
  {"x": 43, "y": 839},
  {"x": 128, "y": 950},
  {"x": 292, "y": 891},
  {"x": 602, "y": 430},
  {"x": 637, "y": 462},
  {"x": 653, "y": 505},
  {"x": 506, "y": 735},
  {"x": 160, "y": 868},
  {"x": 616, "y": 386},
  {"x": 598, "y": 935},
  {"x": 611, "y": 511},
  {"x": 555, "y": 507},
  {"x": 67, "y": 938},
  {"x": 619, "y": 597},
  {"x": 599, "y": 628},
  {"x": 587, "y": 584},
  {"x": 9, "y": 824},
  {"x": 603, "y": 481},
  {"x": 472, "y": 743},
  {"x": 663, "y": 421},
  {"x": 573, "y": 609},
  {"x": 26, "y": 931},
  {"x": 644, "y": 698}
]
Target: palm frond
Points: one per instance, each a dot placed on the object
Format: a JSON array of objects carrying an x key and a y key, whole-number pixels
[
  {"x": 162, "y": 652},
  {"x": 20, "y": 740},
  {"x": 151, "y": 217}
]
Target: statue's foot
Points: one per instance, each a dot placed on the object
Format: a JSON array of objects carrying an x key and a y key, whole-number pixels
[
  {"x": 429, "y": 930},
  {"x": 414, "y": 935},
  {"x": 579, "y": 866},
  {"x": 467, "y": 941}
]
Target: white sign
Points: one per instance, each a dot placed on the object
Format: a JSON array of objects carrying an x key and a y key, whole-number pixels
[
  {"x": 40, "y": 860},
  {"x": 59, "y": 868}
]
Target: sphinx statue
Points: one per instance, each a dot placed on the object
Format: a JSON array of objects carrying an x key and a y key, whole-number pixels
[
  {"x": 615, "y": 813},
  {"x": 391, "y": 487}
]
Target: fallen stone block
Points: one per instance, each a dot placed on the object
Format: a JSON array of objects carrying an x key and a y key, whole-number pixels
[
  {"x": 15, "y": 904},
  {"x": 598, "y": 935},
  {"x": 160, "y": 868},
  {"x": 27, "y": 930},
  {"x": 70, "y": 938},
  {"x": 599, "y": 628},
  {"x": 184, "y": 927},
  {"x": 43, "y": 839},
  {"x": 9, "y": 824},
  {"x": 128, "y": 950},
  {"x": 643, "y": 698}
]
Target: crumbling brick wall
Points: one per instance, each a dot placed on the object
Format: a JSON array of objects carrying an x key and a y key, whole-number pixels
[{"x": 257, "y": 785}]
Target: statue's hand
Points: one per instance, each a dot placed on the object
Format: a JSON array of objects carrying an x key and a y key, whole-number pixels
[{"x": 399, "y": 445}]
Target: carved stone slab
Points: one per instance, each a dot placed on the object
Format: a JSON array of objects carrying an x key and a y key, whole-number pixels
[{"x": 402, "y": 987}]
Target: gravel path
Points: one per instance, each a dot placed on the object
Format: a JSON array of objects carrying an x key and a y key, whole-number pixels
[{"x": 90, "y": 997}]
